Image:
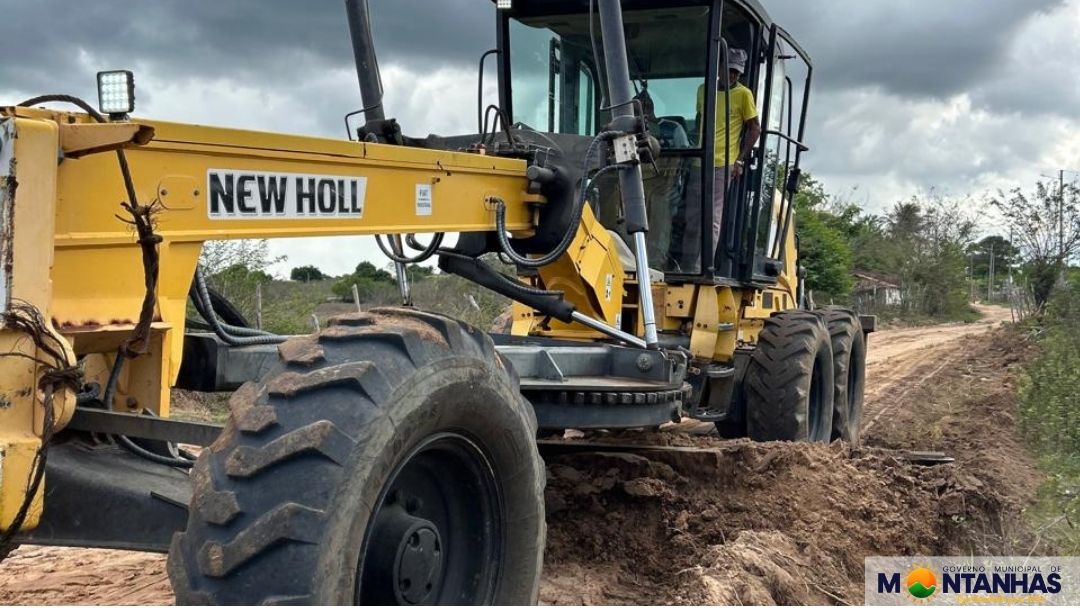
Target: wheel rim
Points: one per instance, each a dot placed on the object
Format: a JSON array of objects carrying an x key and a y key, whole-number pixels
[{"x": 436, "y": 534}]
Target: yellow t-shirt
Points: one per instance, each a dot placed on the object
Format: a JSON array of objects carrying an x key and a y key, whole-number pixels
[{"x": 742, "y": 110}]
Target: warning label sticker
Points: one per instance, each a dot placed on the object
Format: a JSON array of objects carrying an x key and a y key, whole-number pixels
[
  {"x": 423, "y": 199},
  {"x": 257, "y": 195}
]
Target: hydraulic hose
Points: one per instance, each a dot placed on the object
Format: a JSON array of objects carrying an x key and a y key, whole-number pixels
[
  {"x": 575, "y": 220},
  {"x": 425, "y": 253},
  {"x": 515, "y": 284},
  {"x": 126, "y": 442},
  {"x": 230, "y": 334}
]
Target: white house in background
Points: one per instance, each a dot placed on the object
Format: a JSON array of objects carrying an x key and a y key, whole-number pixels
[{"x": 874, "y": 289}]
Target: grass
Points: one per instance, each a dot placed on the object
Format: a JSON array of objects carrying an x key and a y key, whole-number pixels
[
  {"x": 890, "y": 318},
  {"x": 288, "y": 306},
  {"x": 1050, "y": 417}
]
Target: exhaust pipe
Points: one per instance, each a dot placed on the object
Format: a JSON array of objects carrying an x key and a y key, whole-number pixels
[{"x": 376, "y": 126}]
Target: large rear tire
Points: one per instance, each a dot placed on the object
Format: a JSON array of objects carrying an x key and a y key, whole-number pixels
[
  {"x": 849, "y": 364},
  {"x": 789, "y": 380},
  {"x": 390, "y": 460}
]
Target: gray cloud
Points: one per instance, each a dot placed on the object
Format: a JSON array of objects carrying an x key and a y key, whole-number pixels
[
  {"x": 251, "y": 40},
  {"x": 913, "y": 48},
  {"x": 956, "y": 94}
]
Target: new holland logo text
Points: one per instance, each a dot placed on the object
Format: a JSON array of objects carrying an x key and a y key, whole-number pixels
[{"x": 236, "y": 195}]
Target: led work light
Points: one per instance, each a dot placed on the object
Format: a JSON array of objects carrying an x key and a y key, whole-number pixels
[{"x": 116, "y": 92}]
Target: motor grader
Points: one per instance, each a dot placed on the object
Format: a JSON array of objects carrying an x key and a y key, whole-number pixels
[{"x": 392, "y": 457}]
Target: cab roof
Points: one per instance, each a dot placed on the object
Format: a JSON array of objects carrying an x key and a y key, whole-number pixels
[{"x": 539, "y": 7}]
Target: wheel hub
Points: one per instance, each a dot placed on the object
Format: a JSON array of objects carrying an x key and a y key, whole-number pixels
[
  {"x": 418, "y": 571},
  {"x": 415, "y": 551},
  {"x": 436, "y": 534}
]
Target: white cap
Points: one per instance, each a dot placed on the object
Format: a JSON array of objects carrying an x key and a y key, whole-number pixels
[{"x": 737, "y": 60}]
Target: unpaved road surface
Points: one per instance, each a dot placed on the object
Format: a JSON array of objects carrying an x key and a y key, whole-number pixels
[
  {"x": 740, "y": 523},
  {"x": 898, "y": 360}
]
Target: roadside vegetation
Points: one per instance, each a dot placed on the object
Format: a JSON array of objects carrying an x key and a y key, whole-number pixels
[
  {"x": 240, "y": 271},
  {"x": 1050, "y": 415},
  {"x": 922, "y": 243},
  {"x": 930, "y": 246}
]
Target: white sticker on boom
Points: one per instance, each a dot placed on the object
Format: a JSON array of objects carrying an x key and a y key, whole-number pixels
[
  {"x": 423, "y": 199},
  {"x": 233, "y": 194}
]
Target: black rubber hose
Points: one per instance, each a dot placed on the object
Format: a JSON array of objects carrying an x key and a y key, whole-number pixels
[
  {"x": 568, "y": 237},
  {"x": 427, "y": 252},
  {"x": 575, "y": 219},
  {"x": 228, "y": 333},
  {"x": 126, "y": 442},
  {"x": 202, "y": 307},
  {"x": 515, "y": 284}
]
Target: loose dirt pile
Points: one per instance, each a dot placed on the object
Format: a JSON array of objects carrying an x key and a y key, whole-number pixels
[
  {"x": 741, "y": 523},
  {"x": 791, "y": 523}
]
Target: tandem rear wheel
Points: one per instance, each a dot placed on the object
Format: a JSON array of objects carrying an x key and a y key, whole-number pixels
[
  {"x": 390, "y": 460},
  {"x": 849, "y": 367}
]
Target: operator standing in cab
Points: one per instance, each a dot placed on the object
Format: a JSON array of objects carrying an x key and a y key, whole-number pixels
[{"x": 736, "y": 134}]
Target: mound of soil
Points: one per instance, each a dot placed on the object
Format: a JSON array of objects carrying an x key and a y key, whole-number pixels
[{"x": 747, "y": 523}]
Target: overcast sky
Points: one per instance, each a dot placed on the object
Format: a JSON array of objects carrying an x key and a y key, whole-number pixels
[{"x": 960, "y": 96}]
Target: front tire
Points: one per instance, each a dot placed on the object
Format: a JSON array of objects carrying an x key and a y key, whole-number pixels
[
  {"x": 390, "y": 460},
  {"x": 789, "y": 380}
]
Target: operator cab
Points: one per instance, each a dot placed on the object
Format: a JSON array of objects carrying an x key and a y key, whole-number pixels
[{"x": 551, "y": 80}]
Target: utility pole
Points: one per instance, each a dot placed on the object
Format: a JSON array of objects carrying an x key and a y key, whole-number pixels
[
  {"x": 971, "y": 277},
  {"x": 1010, "y": 255},
  {"x": 990, "y": 275},
  {"x": 1061, "y": 215}
]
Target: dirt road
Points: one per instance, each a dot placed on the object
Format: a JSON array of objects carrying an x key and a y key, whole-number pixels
[
  {"x": 898, "y": 360},
  {"x": 745, "y": 523}
]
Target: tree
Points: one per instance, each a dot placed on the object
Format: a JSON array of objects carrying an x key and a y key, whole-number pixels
[
  {"x": 368, "y": 280},
  {"x": 1046, "y": 230},
  {"x": 306, "y": 274},
  {"x": 253, "y": 254},
  {"x": 823, "y": 247},
  {"x": 924, "y": 241},
  {"x": 235, "y": 268},
  {"x": 416, "y": 272},
  {"x": 368, "y": 271}
]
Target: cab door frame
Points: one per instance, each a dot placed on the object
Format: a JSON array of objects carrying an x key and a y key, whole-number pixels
[{"x": 764, "y": 268}]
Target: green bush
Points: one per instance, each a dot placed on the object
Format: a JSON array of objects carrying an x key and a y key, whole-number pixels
[
  {"x": 1050, "y": 416},
  {"x": 1050, "y": 391}
]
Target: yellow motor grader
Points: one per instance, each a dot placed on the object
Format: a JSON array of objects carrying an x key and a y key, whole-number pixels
[{"x": 392, "y": 457}]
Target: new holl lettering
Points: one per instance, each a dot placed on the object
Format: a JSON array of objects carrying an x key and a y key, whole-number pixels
[{"x": 236, "y": 194}]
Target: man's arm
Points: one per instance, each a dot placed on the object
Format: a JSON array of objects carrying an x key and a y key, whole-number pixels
[{"x": 752, "y": 131}]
